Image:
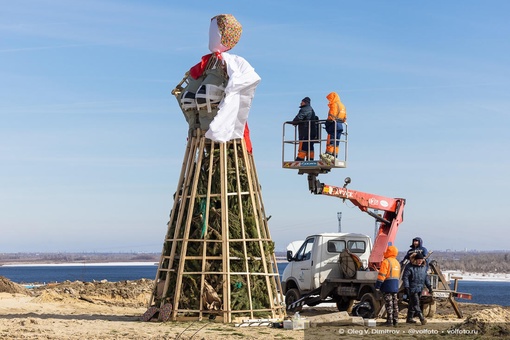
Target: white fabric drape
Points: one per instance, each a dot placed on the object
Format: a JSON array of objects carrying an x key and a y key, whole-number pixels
[{"x": 234, "y": 109}]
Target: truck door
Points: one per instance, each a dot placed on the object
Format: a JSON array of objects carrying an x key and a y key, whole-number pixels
[
  {"x": 329, "y": 267},
  {"x": 303, "y": 265}
]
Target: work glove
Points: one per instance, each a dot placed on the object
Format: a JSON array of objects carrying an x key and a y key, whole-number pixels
[
  {"x": 430, "y": 291},
  {"x": 408, "y": 293}
]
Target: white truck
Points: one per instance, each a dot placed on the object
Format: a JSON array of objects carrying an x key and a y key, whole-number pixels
[
  {"x": 328, "y": 267},
  {"x": 335, "y": 268}
]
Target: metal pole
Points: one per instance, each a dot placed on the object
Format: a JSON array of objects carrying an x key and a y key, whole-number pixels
[
  {"x": 376, "y": 229},
  {"x": 339, "y": 216}
]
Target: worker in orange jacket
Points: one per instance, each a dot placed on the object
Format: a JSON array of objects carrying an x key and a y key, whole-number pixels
[
  {"x": 387, "y": 282},
  {"x": 337, "y": 115}
]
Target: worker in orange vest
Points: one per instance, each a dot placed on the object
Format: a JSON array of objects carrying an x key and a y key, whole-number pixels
[{"x": 388, "y": 282}]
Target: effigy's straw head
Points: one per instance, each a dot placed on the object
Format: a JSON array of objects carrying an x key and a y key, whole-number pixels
[{"x": 224, "y": 33}]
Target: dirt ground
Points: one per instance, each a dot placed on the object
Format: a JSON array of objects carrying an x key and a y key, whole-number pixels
[{"x": 106, "y": 310}]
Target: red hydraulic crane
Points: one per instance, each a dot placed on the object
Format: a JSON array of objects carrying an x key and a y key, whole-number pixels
[{"x": 388, "y": 223}]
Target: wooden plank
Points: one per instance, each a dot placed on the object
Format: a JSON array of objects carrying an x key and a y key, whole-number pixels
[
  {"x": 455, "y": 307},
  {"x": 184, "y": 245},
  {"x": 243, "y": 229},
  {"x": 224, "y": 232},
  {"x": 260, "y": 220},
  {"x": 184, "y": 166},
  {"x": 446, "y": 286}
]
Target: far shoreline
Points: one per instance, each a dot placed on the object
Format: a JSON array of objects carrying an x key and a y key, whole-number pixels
[
  {"x": 449, "y": 274},
  {"x": 474, "y": 276},
  {"x": 73, "y": 264}
]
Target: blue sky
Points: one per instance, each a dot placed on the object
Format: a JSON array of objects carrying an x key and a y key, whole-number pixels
[{"x": 92, "y": 141}]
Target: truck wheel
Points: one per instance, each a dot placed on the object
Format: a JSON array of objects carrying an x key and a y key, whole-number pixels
[
  {"x": 291, "y": 296},
  {"x": 344, "y": 305},
  {"x": 371, "y": 306},
  {"x": 429, "y": 309}
]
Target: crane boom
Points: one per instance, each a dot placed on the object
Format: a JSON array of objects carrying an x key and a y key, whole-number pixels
[{"x": 393, "y": 213}]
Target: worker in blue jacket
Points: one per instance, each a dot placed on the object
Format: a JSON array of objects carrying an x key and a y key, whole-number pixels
[
  {"x": 415, "y": 278},
  {"x": 416, "y": 247},
  {"x": 303, "y": 120}
]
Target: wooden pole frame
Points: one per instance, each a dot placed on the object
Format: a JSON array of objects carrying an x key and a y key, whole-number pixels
[{"x": 183, "y": 250}]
